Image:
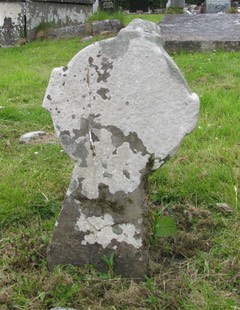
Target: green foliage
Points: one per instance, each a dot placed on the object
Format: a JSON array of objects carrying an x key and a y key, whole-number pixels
[
  {"x": 44, "y": 26},
  {"x": 163, "y": 226},
  {"x": 100, "y": 15},
  {"x": 153, "y": 4},
  {"x": 110, "y": 264},
  {"x": 174, "y": 10},
  {"x": 233, "y": 10},
  {"x": 122, "y": 4},
  {"x": 155, "y": 18},
  {"x": 125, "y": 19},
  {"x": 156, "y": 4}
]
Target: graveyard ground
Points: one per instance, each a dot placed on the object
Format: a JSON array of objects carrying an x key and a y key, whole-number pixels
[{"x": 197, "y": 268}]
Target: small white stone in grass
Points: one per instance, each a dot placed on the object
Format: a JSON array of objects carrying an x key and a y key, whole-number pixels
[
  {"x": 224, "y": 207},
  {"x": 35, "y": 153},
  {"x": 31, "y": 136}
]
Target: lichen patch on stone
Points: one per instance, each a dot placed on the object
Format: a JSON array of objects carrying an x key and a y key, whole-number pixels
[{"x": 102, "y": 230}]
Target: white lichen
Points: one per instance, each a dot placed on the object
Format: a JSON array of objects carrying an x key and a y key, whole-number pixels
[{"x": 100, "y": 230}]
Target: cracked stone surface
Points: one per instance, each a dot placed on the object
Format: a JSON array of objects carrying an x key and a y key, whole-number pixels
[{"x": 120, "y": 108}]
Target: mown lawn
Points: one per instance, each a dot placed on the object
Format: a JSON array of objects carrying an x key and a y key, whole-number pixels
[{"x": 198, "y": 268}]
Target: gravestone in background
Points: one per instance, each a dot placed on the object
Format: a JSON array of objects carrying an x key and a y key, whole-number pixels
[
  {"x": 216, "y": 6},
  {"x": 176, "y": 4},
  {"x": 120, "y": 109}
]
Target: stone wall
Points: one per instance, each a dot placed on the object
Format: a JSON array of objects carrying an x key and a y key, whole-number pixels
[
  {"x": 11, "y": 22},
  {"x": 21, "y": 19}
]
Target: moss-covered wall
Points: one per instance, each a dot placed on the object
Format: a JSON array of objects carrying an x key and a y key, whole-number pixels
[{"x": 20, "y": 19}]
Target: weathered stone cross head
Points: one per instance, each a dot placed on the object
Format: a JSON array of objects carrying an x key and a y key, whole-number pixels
[{"x": 120, "y": 109}]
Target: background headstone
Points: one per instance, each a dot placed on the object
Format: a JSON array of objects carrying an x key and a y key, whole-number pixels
[
  {"x": 176, "y": 4},
  {"x": 216, "y": 6},
  {"x": 120, "y": 108},
  {"x": 109, "y": 25}
]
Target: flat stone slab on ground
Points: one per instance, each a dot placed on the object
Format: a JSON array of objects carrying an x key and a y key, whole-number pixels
[
  {"x": 199, "y": 32},
  {"x": 112, "y": 25}
]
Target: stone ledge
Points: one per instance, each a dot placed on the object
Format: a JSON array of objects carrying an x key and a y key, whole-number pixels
[
  {"x": 97, "y": 28},
  {"x": 201, "y": 32},
  {"x": 173, "y": 46}
]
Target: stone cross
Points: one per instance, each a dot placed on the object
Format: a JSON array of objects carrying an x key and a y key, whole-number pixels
[{"x": 120, "y": 108}]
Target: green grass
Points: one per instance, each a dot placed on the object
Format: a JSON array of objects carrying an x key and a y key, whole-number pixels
[
  {"x": 198, "y": 268},
  {"x": 125, "y": 19},
  {"x": 155, "y": 18}
]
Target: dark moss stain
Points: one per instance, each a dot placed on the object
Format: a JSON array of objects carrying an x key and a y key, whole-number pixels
[
  {"x": 94, "y": 137},
  {"x": 117, "y": 230},
  {"x": 107, "y": 175},
  {"x": 126, "y": 173},
  {"x": 102, "y": 92},
  {"x": 73, "y": 116},
  {"x": 81, "y": 152},
  {"x": 103, "y": 73},
  {"x": 117, "y": 136},
  {"x": 49, "y": 97},
  {"x": 76, "y": 186},
  {"x": 80, "y": 149},
  {"x": 135, "y": 143},
  {"x": 106, "y": 202},
  {"x": 65, "y": 69},
  {"x": 65, "y": 138},
  {"x": 123, "y": 207},
  {"x": 90, "y": 60}
]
